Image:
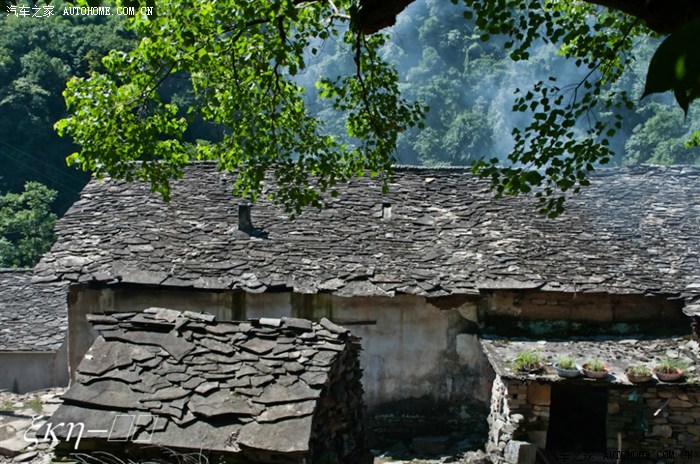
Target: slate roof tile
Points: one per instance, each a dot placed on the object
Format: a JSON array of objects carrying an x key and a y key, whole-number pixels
[
  {"x": 447, "y": 235},
  {"x": 33, "y": 313},
  {"x": 232, "y": 404}
]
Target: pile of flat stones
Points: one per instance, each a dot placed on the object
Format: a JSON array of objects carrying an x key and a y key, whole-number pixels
[
  {"x": 21, "y": 416},
  {"x": 265, "y": 390}
]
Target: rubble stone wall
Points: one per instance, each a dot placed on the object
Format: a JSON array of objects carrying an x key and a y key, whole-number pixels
[
  {"x": 674, "y": 429},
  {"x": 508, "y": 414},
  {"x": 520, "y": 411}
]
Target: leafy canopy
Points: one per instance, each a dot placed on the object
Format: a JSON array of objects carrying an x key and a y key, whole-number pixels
[
  {"x": 26, "y": 225},
  {"x": 241, "y": 59}
]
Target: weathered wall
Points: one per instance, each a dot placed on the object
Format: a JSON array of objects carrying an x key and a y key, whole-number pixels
[
  {"x": 411, "y": 348},
  {"x": 676, "y": 427},
  {"x": 593, "y": 307},
  {"x": 507, "y": 423},
  {"x": 25, "y": 371},
  {"x": 520, "y": 411}
]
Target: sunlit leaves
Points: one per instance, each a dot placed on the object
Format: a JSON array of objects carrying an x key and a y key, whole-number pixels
[
  {"x": 240, "y": 58},
  {"x": 571, "y": 123}
]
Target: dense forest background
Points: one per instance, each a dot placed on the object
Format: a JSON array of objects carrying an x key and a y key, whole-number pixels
[{"x": 468, "y": 85}]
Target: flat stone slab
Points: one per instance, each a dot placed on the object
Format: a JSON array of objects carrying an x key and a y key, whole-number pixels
[
  {"x": 13, "y": 446},
  {"x": 105, "y": 393},
  {"x": 287, "y": 436},
  {"x": 286, "y": 411},
  {"x": 222, "y": 403},
  {"x": 275, "y": 393}
]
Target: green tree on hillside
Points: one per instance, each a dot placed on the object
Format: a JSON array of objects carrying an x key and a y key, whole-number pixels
[
  {"x": 26, "y": 225},
  {"x": 37, "y": 57},
  {"x": 661, "y": 139}
]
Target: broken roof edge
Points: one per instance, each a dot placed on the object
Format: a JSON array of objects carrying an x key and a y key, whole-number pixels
[
  {"x": 617, "y": 352},
  {"x": 171, "y": 316},
  {"x": 359, "y": 288}
]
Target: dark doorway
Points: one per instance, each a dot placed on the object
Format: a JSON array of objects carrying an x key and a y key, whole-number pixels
[{"x": 577, "y": 418}]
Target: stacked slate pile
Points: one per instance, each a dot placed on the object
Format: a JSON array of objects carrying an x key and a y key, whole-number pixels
[{"x": 163, "y": 384}]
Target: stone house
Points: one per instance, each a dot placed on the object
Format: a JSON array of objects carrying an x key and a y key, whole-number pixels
[
  {"x": 419, "y": 274},
  {"x": 33, "y": 325},
  {"x": 171, "y": 386},
  {"x": 648, "y": 421}
]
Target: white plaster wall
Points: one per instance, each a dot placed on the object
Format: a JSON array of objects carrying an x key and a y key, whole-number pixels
[
  {"x": 25, "y": 371},
  {"x": 409, "y": 346},
  {"x": 403, "y": 351}
]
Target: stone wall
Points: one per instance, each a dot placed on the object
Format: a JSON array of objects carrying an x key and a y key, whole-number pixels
[
  {"x": 507, "y": 418},
  {"x": 519, "y": 412},
  {"x": 675, "y": 428}
]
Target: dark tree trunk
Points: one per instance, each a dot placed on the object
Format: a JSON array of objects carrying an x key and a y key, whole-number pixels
[{"x": 378, "y": 14}]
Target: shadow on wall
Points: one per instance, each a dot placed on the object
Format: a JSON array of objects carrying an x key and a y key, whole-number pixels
[{"x": 26, "y": 371}]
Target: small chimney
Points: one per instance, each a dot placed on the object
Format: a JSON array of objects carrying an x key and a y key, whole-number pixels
[
  {"x": 244, "y": 222},
  {"x": 386, "y": 211}
]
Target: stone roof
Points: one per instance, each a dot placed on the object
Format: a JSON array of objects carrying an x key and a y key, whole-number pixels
[
  {"x": 617, "y": 352},
  {"x": 33, "y": 316},
  {"x": 634, "y": 230},
  {"x": 184, "y": 381}
]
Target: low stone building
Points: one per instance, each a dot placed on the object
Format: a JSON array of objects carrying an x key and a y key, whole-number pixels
[
  {"x": 419, "y": 273},
  {"x": 166, "y": 384},
  {"x": 33, "y": 326},
  {"x": 595, "y": 417}
]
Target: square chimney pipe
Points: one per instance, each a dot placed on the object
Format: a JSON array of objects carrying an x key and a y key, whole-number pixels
[{"x": 244, "y": 222}]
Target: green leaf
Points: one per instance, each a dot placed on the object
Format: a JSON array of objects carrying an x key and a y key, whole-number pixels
[{"x": 675, "y": 66}]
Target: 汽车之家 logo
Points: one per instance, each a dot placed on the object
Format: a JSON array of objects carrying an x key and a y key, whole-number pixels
[{"x": 42, "y": 11}]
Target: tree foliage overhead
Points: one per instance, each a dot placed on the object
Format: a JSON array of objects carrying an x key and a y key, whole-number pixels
[
  {"x": 26, "y": 225},
  {"x": 242, "y": 60}
]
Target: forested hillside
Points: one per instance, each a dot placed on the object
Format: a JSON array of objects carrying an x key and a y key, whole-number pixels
[
  {"x": 37, "y": 56},
  {"x": 467, "y": 83},
  {"x": 469, "y": 87}
]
